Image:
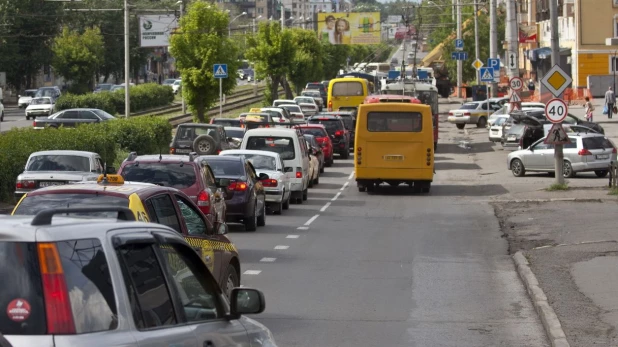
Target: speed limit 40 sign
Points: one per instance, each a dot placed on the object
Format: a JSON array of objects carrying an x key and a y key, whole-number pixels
[
  {"x": 516, "y": 84},
  {"x": 556, "y": 110}
]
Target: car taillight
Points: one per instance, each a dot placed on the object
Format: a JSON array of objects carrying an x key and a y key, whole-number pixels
[
  {"x": 203, "y": 202},
  {"x": 359, "y": 157},
  {"x": 299, "y": 174},
  {"x": 218, "y": 151},
  {"x": 57, "y": 303},
  {"x": 614, "y": 151},
  {"x": 338, "y": 133},
  {"x": 25, "y": 185},
  {"x": 330, "y": 106},
  {"x": 428, "y": 156},
  {"x": 584, "y": 152},
  {"x": 467, "y": 113},
  {"x": 34, "y": 123},
  {"x": 237, "y": 186},
  {"x": 270, "y": 183},
  {"x": 172, "y": 150}
]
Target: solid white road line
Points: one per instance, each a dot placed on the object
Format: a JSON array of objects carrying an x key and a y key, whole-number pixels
[
  {"x": 292, "y": 236},
  {"x": 302, "y": 228},
  {"x": 344, "y": 185},
  {"x": 336, "y": 196},
  {"x": 351, "y": 175},
  {"x": 312, "y": 219},
  {"x": 282, "y": 247},
  {"x": 325, "y": 207},
  {"x": 252, "y": 272},
  {"x": 268, "y": 260}
]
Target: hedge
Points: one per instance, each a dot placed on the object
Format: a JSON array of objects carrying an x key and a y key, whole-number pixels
[
  {"x": 143, "y": 97},
  {"x": 144, "y": 135}
]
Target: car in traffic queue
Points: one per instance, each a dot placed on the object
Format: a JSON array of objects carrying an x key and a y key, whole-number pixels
[
  {"x": 24, "y": 99},
  {"x": 259, "y": 120},
  {"x": 314, "y": 164},
  {"x": 59, "y": 167},
  {"x": 349, "y": 121},
  {"x": 322, "y": 138},
  {"x": 236, "y": 134},
  {"x": 296, "y": 114},
  {"x": 245, "y": 198},
  {"x": 228, "y": 122},
  {"x": 346, "y": 91},
  {"x": 277, "y": 114},
  {"x": 149, "y": 203},
  {"x": 306, "y": 100},
  {"x": 104, "y": 282},
  {"x": 321, "y": 87},
  {"x": 40, "y": 107},
  {"x": 192, "y": 177},
  {"x": 474, "y": 112},
  {"x": 587, "y": 152},
  {"x": 203, "y": 139},
  {"x": 277, "y": 185},
  {"x": 317, "y": 97},
  {"x": 308, "y": 109},
  {"x": 339, "y": 135},
  {"x": 279, "y": 102},
  {"x": 72, "y": 117},
  {"x": 52, "y": 92},
  {"x": 316, "y": 150}
]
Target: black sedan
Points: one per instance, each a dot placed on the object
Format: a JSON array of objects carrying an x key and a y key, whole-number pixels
[
  {"x": 244, "y": 196},
  {"x": 72, "y": 117}
]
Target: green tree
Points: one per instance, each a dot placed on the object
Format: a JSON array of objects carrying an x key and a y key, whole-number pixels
[
  {"x": 201, "y": 42},
  {"x": 307, "y": 63},
  {"x": 77, "y": 56},
  {"x": 272, "y": 50},
  {"x": 334, "y": 58}
]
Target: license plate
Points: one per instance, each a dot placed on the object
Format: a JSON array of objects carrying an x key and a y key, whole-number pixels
[
  {"x": 393, "y": 157},
  {"x": 183, "y": 151},
  {"x": 49, "y": 184},
  {"x": 511, "y": 138},
  {"x": 603, "y": 156}
]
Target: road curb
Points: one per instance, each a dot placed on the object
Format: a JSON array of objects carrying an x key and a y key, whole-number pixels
[
  {"x": 550, "y": 321},
  {"x": 553, "y": 200}
]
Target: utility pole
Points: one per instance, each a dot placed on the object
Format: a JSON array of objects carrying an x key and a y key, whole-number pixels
[
  {"x": 459, "y": 62},
  {"x": 477, "y": 51},
  {"x": 282, "y": 15},
  {"x": 184, "y": 105},
  {"x": 555, "y": 60},
  {"x": 127, "y": 70},
  {"x": 512, "y": 36},
  {"x": 493, "y": 40}
]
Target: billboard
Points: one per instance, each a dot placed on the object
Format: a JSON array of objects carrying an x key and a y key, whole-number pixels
[
  {"x": 527, "y": 33},
  {"x": 356, "y": 28},
  {"x": 155, "y": 30}
]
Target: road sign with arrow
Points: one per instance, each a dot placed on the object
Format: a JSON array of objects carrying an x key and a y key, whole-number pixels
[{"x": 511, "y": 60}]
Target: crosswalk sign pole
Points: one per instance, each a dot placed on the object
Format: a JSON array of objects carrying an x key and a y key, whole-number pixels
[{"x": 220, "y": 97}]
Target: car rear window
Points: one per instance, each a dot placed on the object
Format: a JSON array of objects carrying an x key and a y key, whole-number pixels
[
  {"x": 235, "y": 133},
  {"x": 469, "y": 106},
  {"x": 227, "y": 122},
  {"x": 291, "y": 108},
  {"x": 58, "y": 163},
  {"x": 88, "y": 282},
  {"x": 331, "y": 125},
  {"x": 347, "y": 89},
  {"x": 103, "y": 114},
  {"x": 231, "y": 168},
  {"x": 282, "y": 145},
  {"x": 33, "y": 204},
  {"x": 597, "y": 142},
  {"x": 395, "y": 122},
  {"x": 175, "y": 175},
  {"x": 317, "y": 132},
  {"x": 348, "y": 121},
  {"x": 262, "y": 162}
]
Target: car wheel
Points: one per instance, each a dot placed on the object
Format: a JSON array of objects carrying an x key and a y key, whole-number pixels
[
  {"x": 329, "y": 163},
  {"x": 517, "y": 168},
  {"x": 567, "y": 170},
  {"x": 27, "y": 117},
  {"x": 279, "y": 207},
  {"x": 305, "y": 193},
  {"x": 286, "y": 204},
  {"x": 482, "y": 122},
  {"x": 2, "y": 117},
  {"x": 310, "y": 185},
  {"x": 317, "y": 180},
  {"x": 231, "y": 281},
  {"x": 601, "y": 173},
  {"x": 261, "y": 219},
  {"x": 460, "y": 126},
  {"x": 251, "y": 221},
  {"x": 204, "y": 145}
]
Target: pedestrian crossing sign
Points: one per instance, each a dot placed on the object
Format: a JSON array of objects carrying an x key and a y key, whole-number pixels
[
  {"x": 220, "y": 70},
  {"x": 487, "y": 74}
]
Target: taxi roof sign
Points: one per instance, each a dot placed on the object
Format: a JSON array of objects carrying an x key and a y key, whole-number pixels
[
  {"x": 255, "y": 109},
  {"x": 116, "y": 179}
]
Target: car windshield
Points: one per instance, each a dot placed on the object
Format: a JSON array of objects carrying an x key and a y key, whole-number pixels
[
  {"x": 262, "y": 162},
  {"x": 40, "y": 101},
  {"x": 61, "y": 162},
  {"x": 50, "y": 92},
  {"x": 169, "y": 81},
  {"x": 103, "y": 114},
  {"x": 317, "y": 132},
  {"x": 175, "y": 175},
  {"x": 282, "y": 145},
  {"x": 291, "y": 108},
  {"x": 237, "y": 133},
  {"x": 226, "y": 168},
  {"x": 30, "y": 93},
  {"x": 348, "y": 122},
  {"x": 33, "y": 204},
  {"x": 331, "y": 125},
  {"x": 469, "y": 106},
  {"x": 304, "y": 100}
]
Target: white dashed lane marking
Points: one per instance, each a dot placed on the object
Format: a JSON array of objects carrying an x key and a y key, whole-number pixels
[
  {"x": 302, "y": 228},
  {"x": 292, "y": 236},
  {"x": 268, "y": 260},
  {"x": 336, "y": 196},
  {"x": 252, "y": 272},
  {"x": 351, "y": 175},
  {"x": 344, "y": 185},
  {"x": 312, "y": 219},
  {"x": 282, "y": 247},
  {"x": 325, "y": 207}
]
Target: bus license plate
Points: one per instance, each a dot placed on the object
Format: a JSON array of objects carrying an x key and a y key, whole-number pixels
[{"x": 393, "y": 157}]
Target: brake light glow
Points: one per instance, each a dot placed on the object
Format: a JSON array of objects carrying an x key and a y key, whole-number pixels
[
  {"x": 203, "y": 202},
  {"x": 584, "y": 152},
  {"x": 299, "y": 174},
  {"x": 467, "y": 113},
  {"x": 237, "y": 186},
  {"x": 57, "y": 303},
  {"x": 359, "y": 157},
  {"x": 270, "y": 182},
  {"x": 34, "y": 123},
  {"x": 330, "y": 105},
  {"x": 614, "y": 151},
  {"x": 172, "y": 150},
  {"x": 25, "y": 185},
  {"x": 338, "y": 133}
]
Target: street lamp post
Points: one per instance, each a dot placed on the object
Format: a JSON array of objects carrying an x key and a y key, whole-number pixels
[{"x": 229, "y": 27}]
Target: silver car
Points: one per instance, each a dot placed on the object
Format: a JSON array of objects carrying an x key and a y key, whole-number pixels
[
  {"x": 111, "y": 281},
  {"x": 586, "y": 153},
  {"x": 474, "y": 112}
]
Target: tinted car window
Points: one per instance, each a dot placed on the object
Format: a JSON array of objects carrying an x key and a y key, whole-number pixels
[
  {"x": 227, "y": 122},
  {"x": 394, "y": 122},
  {"x": 165, "y": 211},
  {"x": 597, "y": 143},
  {"x": 20, "y": 269},
  {"x": 195, "y": 224},
  {"x": 282, "y": 145},
  {"x": 103, "y": 114},
  {"x": 32, "y": 204},
  {"x": 291, "y": 108},
  {"x": 58, "y": 163},
  {"x": 348, "y": 121},
  {"x": 469, "y": 106},
  {"x": 331, "y": 125},
  {"x": 89, "y": 285},
  {"x": 235, "y": 133},
  {"x": 164, "y": 174},
  {"x": 317, "y": 132},
  {"x": 226, "y": 167}
]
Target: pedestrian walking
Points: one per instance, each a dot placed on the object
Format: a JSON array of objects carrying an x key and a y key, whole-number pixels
[
  {"x": 610, "y": 102},
  {"x": 588, "y": 107},
  {"x": 531, "y": 86}
]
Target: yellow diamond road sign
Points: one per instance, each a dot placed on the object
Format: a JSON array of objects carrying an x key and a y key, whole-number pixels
[
  {"x": 556, "y": 80},
  {"x": 477, "y": 64}
]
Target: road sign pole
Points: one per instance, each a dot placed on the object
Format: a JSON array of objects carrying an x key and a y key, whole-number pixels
[{"x": 220, "y": 97}]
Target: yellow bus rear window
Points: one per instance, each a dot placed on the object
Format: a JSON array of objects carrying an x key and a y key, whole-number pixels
[
  {"x": 347, "y": 89},
  {"x": 410, "y": 122}
]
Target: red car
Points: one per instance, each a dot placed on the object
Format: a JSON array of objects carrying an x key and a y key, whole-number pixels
[{"x": 320, "y": 134}]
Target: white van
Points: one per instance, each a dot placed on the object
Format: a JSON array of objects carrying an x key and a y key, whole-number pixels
[{"x": 293, "y": 151}]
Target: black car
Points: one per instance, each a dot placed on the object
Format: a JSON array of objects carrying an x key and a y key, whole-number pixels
[
  {"x": 349, "y": 121},
  {"x": 245, "y": 198},
  {"x": 73, "y": 117},
  {"x": 573, "y": 120},
  {"x": 525, "y": 130},
  {"x": 203, "y": 139},
  {"x": 336, "y": 129}
]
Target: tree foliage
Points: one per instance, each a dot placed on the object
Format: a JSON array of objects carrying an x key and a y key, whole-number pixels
[
  {"x": 201, "y": 42},
  {"x": 77, "y": 56},
  {"x": 306, "y": 66}
]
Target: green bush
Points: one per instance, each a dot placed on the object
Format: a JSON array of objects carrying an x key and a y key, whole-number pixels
[
  {"x": 144, "y": 135},
  {"x": 143, "y": 97}
]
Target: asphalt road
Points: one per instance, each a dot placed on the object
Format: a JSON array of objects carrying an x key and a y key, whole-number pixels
[{"x": 387, "y": 269}]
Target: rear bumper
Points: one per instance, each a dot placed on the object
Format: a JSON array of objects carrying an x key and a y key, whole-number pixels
[
  {"x": 379, "y": 174},
  {"x": 594, "y": 166},
  {"x": 511, "y": 146},
  {"x": 274, "y": 196},
  {"x": 236, "y": 208},
  {"x": 460, "y": 120}
]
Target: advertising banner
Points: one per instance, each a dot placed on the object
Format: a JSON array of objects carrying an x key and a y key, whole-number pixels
[
  {"x": 155, "y": 30},
  {"x": 356, "y": 28},
  {"x": 527, "y": 33}
]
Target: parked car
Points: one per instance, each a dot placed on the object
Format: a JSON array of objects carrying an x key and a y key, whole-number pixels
[
  {"x": 590, "y": 152},
  {"x": 245, "y": 198},
  {"x": 191, "y": 177},
  {"x": 40, "y": 107},
  {"x": 474, "y": 112},
  {"x": 316, "y": 150},
  {"x": 322, "y": 138},
  {"x": 54, "y": 168},
  {"x": 228, "y": 122},
  {"x": 72, "y": 117},
  {"x": 315, "y": 94},
  {"x": 50, "y": 92},
  {"x": 103, "y": 87},
  {"x": 25, "y": 98},
  {"x": 277, "y": 185},
  {"x": 116, "y": 87},
  {"x": 168, "y": 82},
  {"x": 525, "y": 130},
  {"x": 506, "y": 109},
  {"x": 339, "y": 135},
  {"x": 204, "y": 139},
  {"x": 176, "y": 86},
  {"x": 495, "y": 131}
]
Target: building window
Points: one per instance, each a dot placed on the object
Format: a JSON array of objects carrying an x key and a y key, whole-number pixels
[
  {"x": 613, "y": 64},
  {"x": 615, "y": 3},
  {"x": 616, "y": 24}
]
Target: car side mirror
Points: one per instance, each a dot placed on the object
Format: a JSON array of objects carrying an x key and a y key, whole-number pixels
[
  {"x": 111, "y": 170},
  {"x": 246, "y": 301},
  {"x": 222, "y": 229},
  {"x": 288, "y": 169},
  {"x": 224, "y": 182},
  {"x": 263, "y": 176},
  {"x": 19, "y": 96}
]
